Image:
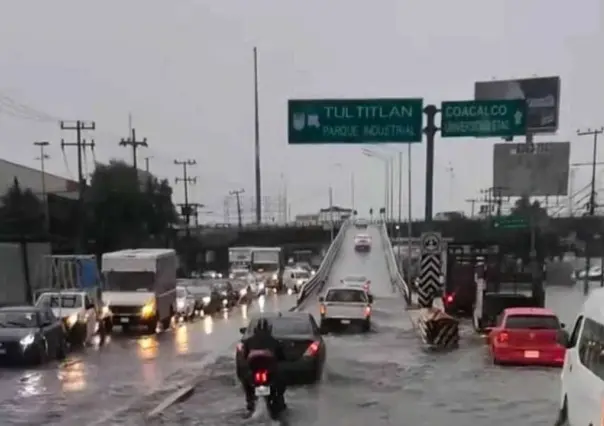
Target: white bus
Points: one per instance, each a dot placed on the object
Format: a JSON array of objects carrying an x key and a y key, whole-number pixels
[
  {"x": 140, "y": 286},
  {"x": 582, "y": 390}
]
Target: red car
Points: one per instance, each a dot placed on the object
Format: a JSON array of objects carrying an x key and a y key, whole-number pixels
[{"x": 527, "y": 336}]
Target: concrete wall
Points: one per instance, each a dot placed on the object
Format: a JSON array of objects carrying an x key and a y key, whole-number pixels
[{"x": 13, "y": 285}]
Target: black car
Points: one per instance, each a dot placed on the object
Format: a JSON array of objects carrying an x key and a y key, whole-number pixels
[
  {"x": 31, "y": 335},
  {"x": 206, "y": 300},
  {"x": 303, "y": 345},
  {"x": 226, "y": 291}
]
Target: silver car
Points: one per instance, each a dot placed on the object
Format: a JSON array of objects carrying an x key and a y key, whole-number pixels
[
  {"x": 185, "y": 304},
  {"x": 345, "y": 306}
]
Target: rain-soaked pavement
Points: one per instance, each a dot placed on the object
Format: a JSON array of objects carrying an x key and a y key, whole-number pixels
[
  {"x": 384, "y": 378},
  {"x": 97, "y": 384}
]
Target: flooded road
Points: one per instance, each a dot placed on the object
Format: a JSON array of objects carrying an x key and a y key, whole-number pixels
[
  {"x": 94, "y": 384},
  {"x": 385, "y": 378}
]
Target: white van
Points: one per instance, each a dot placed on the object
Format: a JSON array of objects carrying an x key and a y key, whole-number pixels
[
  {"x": 582, "y": 396},
  {"x": 140, "y": 287}
]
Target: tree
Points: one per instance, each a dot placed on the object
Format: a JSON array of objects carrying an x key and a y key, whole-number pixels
[
  {"x": 22, "y": 212},
  {"x": 122, "y": 212},
  {"x": 524, "y": 207}
]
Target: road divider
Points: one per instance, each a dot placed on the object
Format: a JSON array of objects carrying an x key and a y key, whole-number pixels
[
  {"x": 397, "y": 280},
  {"x": 316, "y": 283},
  {"x": 437, "y": 329}
]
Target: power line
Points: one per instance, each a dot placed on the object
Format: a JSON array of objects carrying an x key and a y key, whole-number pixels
[
  {"x": 80, "y": 145},
  {"x": 134, "y": 144},
  {"x": 237, "y": 194}
]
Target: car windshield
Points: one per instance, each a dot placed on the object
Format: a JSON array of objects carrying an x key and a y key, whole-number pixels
[
  {"x": 532, "y": 322},
  {"x": 18, "y": 319},
  {"x": 129, "y": 281},
  {"x": 355, "y": 279},
  {"x": 286, "y": 326},
  {"x": 351, "y": 296},
  {"x": 199, "y": 290},
  {"x": 181, "y": 293},
  {"x": 68, "y": 301}
]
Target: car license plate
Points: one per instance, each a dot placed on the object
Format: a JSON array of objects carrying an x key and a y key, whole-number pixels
[
  {"x": 531, "y": 354},
  {"x": 263, "y": 391},
  {"x": 124, "y": 320},
  {"x": 345, "y": 321}
]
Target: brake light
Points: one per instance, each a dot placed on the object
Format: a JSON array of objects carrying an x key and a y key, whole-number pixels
[
  {"x": 261, "y": 377},
  {"x": 503, "y": 337},
  {"x": 449, "y": 298},
  {"x": 367, "y": 311},
  {"x": 322, "y": 309},
  {"x": 239, "y": 347},
  {"x": 313, "y": 348}
]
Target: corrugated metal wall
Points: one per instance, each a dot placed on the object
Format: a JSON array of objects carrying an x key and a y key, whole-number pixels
[{"x": 13, "y": 285}]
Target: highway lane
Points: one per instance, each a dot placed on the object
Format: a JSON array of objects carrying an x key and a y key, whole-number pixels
[
  {"x": 90, "y": 385},
  {"x": 385, "y": 378}
]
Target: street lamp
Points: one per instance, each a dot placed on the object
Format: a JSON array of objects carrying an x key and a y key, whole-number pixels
[{"x": 387, "y": 176}]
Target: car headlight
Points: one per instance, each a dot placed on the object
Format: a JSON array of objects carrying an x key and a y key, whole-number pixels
[
  {"x": 28, "y": 340},
  {"x": 206, "y": 299},
  {"x": 180, "y": 304},
  {"x": 105, "y": 310},
  {"x": 148, "y": 310},
  {"x": 261, "y": 286},
  {"x": 313, "y": 272},
  {"x": 275, "y": 276},
  {"x": 225, "y": 302},
  {"x": 242, "y": 292},
  {"x": 231, "y": 276},
  {"x": 71, "y": 320},
  {"x": 219, "y": 275}
]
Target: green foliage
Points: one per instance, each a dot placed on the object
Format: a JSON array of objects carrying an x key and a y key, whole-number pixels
[
  {"x": 124, "y": 212},
  {"x": 523, "y": 207},
  {"x": 22, "y": 212}
]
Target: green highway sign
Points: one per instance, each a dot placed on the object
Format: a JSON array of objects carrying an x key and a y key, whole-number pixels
[
  {"x": 493, "y": 118},
  {"x": 510, "y": 222},
  {"x": 349, "y": 121}
]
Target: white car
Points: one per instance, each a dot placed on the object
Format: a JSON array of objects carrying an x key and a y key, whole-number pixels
[
  {"x": 345, "y": 306},
  {"x": 362, "y": 242},
  {"x": 77, "y": 311},
  {"x": 295, "y": 279},
  {"x": 185, "y": 304}
]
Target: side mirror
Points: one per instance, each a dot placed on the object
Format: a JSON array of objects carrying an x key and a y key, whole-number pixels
[
  {"x": 563, "y": 338},
  {"x": 562, "y": 325},
  {"x": 242, "y": 330},
  {"x": 321, "y": 299}
]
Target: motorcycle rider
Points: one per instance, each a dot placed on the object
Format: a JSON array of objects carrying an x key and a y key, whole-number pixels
[{"x": 255, "y": 350}]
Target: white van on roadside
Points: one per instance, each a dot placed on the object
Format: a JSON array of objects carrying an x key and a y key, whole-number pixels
[{"x": 582, "y": 377}]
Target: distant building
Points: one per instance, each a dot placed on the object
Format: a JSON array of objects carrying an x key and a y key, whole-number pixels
[
  {"x": 30, "y": 178},
  {"x": 307, "y": 218},
  {"x": 334, "y": 213}
]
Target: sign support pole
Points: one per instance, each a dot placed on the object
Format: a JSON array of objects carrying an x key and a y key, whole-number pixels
[{"x": 430, "y": 132}]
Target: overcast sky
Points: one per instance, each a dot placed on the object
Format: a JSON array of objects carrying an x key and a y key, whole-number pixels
[{"x": 184, "y": 69}]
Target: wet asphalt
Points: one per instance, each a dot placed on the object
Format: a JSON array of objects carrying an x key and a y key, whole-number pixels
[
  {"x": 386, "y": 378},
  {"x": 381, "y": 378}
]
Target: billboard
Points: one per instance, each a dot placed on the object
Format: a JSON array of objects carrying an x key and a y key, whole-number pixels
[
  {"x": 539, "y": 169},
  {"x": 542, "y": 96}
]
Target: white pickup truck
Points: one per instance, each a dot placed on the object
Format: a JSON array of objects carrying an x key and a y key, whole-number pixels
[{"x": 345, "y": 306}]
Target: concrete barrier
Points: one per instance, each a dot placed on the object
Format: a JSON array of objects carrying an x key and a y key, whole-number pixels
[
  {"x": 437, "y": 329},
  {"x": 316, "y": 283}
]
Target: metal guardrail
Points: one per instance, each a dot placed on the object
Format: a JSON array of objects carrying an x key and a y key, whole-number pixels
[
  {"x": 317, "y": 282},
  {"x": 262, "y": 226},
  {"x": 395, "y": 275}
]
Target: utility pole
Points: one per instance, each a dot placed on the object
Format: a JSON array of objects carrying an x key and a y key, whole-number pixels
[
  {"x": 592, "y": 196},
  {"x": 81, "y": 145},
  {"x": 237, "y": 194},
  {"x": 43, "y": 156},
  {"x": 257, "y": 142},
  {"x": 147, "y": 163},
  {"x": 472, "y": 202},
  {"x": 186, "y": 211},
  {"x": 134, "y": 144}
]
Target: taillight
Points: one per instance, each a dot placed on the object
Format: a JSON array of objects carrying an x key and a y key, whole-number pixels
[
  {"x": 313, "y": 348},
  {"x": 322, "y": 309},
  {"x": 261, "y": 377},
  {"x": 503, "y": 337},
  {"x": 449, "y": 298},
  {"x": 367, "y": 311}
]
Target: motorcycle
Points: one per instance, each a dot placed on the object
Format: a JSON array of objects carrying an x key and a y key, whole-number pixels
[{"x": 263, "y": 388}]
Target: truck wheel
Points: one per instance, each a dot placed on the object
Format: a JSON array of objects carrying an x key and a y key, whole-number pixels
[{"x": 166, "y": 322}]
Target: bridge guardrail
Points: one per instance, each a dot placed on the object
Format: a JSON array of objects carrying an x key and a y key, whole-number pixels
[
  {"x": 317, "y": 282},
  {"x": 395, "y": 274}
]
